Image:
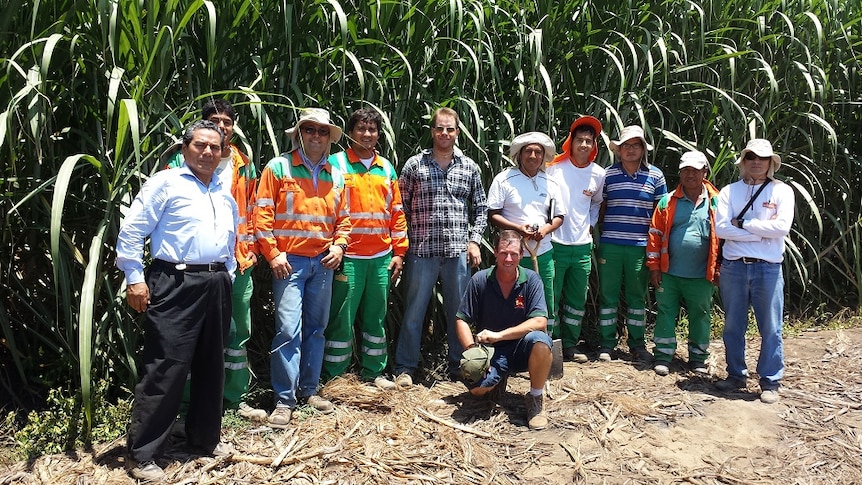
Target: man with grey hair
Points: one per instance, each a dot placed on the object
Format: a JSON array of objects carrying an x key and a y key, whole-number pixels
[
  {"x": 754, "y": 216},
  {"x": 524, "y": 199},
  {"x": 190, "y": 221}
]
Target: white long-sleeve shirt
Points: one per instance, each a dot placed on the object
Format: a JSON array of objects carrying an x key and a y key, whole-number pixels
[{"x": 765, "y": 225}]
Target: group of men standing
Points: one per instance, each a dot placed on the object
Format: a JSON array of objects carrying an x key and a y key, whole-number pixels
[{"x": 337, "y": 229}]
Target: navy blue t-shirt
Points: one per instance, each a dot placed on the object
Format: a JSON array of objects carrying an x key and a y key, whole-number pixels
[{"x": 484, "y": 307}]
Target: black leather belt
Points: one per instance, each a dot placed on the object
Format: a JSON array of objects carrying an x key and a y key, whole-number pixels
[
  {"x": 192, "y": 268},
  {"x": 752, "y": 260}
]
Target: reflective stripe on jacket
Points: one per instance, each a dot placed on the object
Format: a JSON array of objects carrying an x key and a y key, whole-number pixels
[
  {"x": 659, "y": 232},
  {"x": 295, "y": 216},
  {"x": 376, "y": 213}
]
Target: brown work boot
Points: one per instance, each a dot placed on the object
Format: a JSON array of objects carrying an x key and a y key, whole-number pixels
[
  {"x": 496, "y": 394},
  {"x": 280, "y": 417},
  {"x": 536, "y": 418},
  {"x": 322, "y": 405},
  {"x": 147, "y": 472},
  {"x": 250, "y": 413},
  {"x": 404, "y": 381}
]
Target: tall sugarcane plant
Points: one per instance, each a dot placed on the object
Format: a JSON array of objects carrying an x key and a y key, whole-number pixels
[{"x": 92, "y": 92}]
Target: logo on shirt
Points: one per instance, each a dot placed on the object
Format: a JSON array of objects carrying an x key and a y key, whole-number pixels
[{"x": 519, "y": 302}]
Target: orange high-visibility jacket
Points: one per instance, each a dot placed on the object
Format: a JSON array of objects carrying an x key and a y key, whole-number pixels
[
  {"x": 242, "y": 188},
  {"x": 376, "y": 214},
  {"x": 659, "y": 232},
  {"x": 297, "y": 214}
]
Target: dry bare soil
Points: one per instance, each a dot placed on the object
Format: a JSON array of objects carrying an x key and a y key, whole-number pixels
[{"x": 616, "y": 422}]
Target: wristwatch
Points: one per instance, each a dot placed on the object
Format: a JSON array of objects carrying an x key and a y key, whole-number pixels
[{"x": 739, "y": 223}]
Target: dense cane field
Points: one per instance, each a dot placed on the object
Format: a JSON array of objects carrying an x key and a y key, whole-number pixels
[{"x": 91, "y": 93}]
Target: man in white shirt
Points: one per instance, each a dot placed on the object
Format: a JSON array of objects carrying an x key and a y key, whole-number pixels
[
  {"x": 581, "y": 181},
  {"x": 751, "y": 269},
  {"x": 523, "y": 198}
]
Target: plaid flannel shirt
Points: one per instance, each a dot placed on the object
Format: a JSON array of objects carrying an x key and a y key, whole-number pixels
[{"x": 445, "y": 209}]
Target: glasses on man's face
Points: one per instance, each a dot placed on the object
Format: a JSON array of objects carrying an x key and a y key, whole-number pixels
[
  {"x": 631, "y": 146},
  {"x": 754, "y": 156},
  {"x": 447, "y": 129},
  {"x": 310, "y": 130}
]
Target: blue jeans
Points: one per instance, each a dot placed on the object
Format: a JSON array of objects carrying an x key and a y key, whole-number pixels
[
  {"x": 760, "y": 286},
  {"x": 421, "y": 275},
  {"x": 511, "y": 356},
  {"x": 301, "y": 311}
]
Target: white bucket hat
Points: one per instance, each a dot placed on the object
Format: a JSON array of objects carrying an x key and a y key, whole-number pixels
[
  {"x": 314, "y": 115},
  {"x": 531, "y": 138},
  {"x": 694, "y": 159},
  {"x": 627, "y": 134},
  {"x": 761, "y": 148}
]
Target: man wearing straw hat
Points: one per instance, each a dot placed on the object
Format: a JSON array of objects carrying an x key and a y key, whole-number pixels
[
  {"x": 522, "y": 198},
  {"x": 506, "y": 306},
  {"x": 632, "y": 189},
  {"x": 581, "y": 182},
  {"x": 754, "y": 216},
  {"x": 682, "y": 255},
  {"x": 303, "y": 229}
]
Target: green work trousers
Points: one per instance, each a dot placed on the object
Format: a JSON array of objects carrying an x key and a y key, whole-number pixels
[
  {"x": 622, "y": 267},
  {"x": 696, "y": 295},
  {"x": 360, "y": 290},
  {"x": 572, "y": 265},
  {"x": 546, "y": 272},
  {"x": 237, "y": 375}
]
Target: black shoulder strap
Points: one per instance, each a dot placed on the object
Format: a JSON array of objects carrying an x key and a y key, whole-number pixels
[{"x": 753, "y": 197}]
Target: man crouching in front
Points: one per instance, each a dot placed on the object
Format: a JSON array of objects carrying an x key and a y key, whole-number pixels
[{"x": 506, "y": 305}]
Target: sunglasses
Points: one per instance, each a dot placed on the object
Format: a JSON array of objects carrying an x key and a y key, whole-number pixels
[
  {"x": 310, "y": 130},
  {"x": 447, "y": 129},
  {"x": 631, "y": 146},
  {"x": 754, "y": 156}
]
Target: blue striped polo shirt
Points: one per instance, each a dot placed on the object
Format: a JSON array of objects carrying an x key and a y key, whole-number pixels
[{"x": 630, "y": 202}]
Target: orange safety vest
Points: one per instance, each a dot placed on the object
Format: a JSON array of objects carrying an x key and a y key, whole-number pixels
[
  {"x": 659, "y": 232},
  {"x": 377, "y": 217},
  {"x": 297, "y": 214}
]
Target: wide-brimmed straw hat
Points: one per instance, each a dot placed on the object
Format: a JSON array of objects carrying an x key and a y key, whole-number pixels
[
  {"x": 694, "y": 159},
  {"x": 761, "y": 148},
  {"x": 626, "y": 134},
  {"x": 530, "y": 138},
  {"x": 314, "y": 115}
]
